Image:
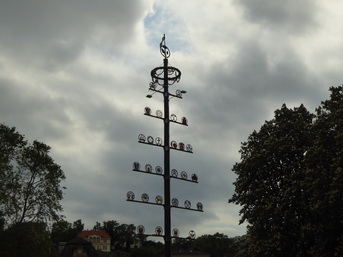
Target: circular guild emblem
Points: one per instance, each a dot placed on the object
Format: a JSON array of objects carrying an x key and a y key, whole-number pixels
[
  {"x": 173, "y": 117},
  {"x": 145, "y": 197},
  {"x": 191, "y": 234},
  {"x": 136, "y": 166},
  {"x": 159, "y": 113},
  {"x": 158, "y": 231},
  {"x": 184, "y": 175},
  {"x": 150, "y": 139},
  {"x": 173, "y": 144},
  {"x": 182, "y": 146},
  {"x": 147, "y": 110},
  {"x": 159, "y": 199},
  {"x": 175, "y": 202},
  {"x": 187, "y": 204},
  {"x": 141, "y": 138},
  {"x": 174, "y": 173},
  {"x": 148, "y": 168},
  {"x": 175, "y": 232},
  {"x": 189, "y": 148},
  {"x": 158, "y": 141},
  {"x": 140, "y": 229},
  {"x": 184, "y": 121},
  {"x": 158, "y": 170},
  {"x": 130, "y": 196},
  {"x": 194, "y": 177},
  {"x": 199, "y": 206},
  {"x": 178, "y": 93}
]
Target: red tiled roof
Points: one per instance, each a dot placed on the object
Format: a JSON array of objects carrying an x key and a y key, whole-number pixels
[{"x": 87, "y": 233}]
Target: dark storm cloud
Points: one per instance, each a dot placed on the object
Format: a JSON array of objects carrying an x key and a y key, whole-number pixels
[{"x": 290, "y": 15}]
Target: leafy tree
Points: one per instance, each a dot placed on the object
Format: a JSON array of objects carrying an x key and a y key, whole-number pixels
[
  {"x": 64, "y": 231},
  {"x": 289, "y": 183},
  {"x": 26, "y": 240},
  {"x": 270, "y": 182},
  {"x": 325, "y": 177},
  {"x": 29, "y": 180}
]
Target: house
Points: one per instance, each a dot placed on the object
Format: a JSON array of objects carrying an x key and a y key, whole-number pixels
[
  {"x": 99, "y": 239},
  {"x": 78, "y": 247}
]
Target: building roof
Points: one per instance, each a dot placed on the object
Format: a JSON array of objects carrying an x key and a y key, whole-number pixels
[{"x": 87, "y": 233}]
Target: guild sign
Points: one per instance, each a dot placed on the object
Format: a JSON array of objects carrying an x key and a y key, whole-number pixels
[
  {"x": 136, "y": 166},
  {"x": 184, "y": 121},
  {"x": 175, "y": 232},
  {"x": 173, "y": 117},
  {"x": 141, "y": 138},
  {"x": 178, "y": 93},
  {"x": 174, "y": 173},
  {"x": 159, "y": 199},
  {"x": 150, "y": 139},
  {"x": 173, "y": 144},
  {"x": 175, "y": 202},
  {"x": 147, "y": 111},
  {"x": 191, "y": 234},
  {"x": 130, "y": 196},
  {"x": 148, "y": 168},
  {"x": 182, "y": 146},
  {"x": 187, "y": 204},
  {"x": 152, "y": 85},
  {"x": 189, "y": 148},
  {"x": 145, "y": 197},
  {"x": 158, "y": 170},
  {"x": 184, "y": 175},
  {"x": 199, "y": 206},
  {"x": 140, "y": 229},
  {"x": 194, "y": 177},
  {"x": 159, "y": 113},
  {"x": 158, "y": 141},
  {"x": 158, "y": 231}
]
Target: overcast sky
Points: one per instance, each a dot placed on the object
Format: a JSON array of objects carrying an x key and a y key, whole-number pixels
[{"x": 74, "y": 74}]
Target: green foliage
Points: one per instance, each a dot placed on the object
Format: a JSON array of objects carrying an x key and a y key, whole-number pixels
[
  {"x": 26, "y": 240},
  {"x": 29, "y": 180},
  {"x": 289, "y": 183},
  {"x": 63, "y": 231}
]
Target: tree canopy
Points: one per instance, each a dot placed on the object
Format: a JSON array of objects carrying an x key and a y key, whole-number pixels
[
  {"x": 30, "y": 189},
  {"x": 289, "y": 182}
]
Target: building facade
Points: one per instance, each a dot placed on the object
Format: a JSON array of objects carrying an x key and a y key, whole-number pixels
[{"x": 100, "y": 240}]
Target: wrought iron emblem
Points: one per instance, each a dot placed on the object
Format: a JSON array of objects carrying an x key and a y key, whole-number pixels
[
  {"x": 199, "y": 206},
  {"x": 163, "y": 48},
  {"x": 175, "y": 232},
  {"x": 194, "y": 177},
  {"x": 175, "y": 202},
  {"x": 191, "y": 234},
  {"x": 189, "y": 148},
  {"x": 184, "y": 121},
  {"x": 173, "y": 117},
  {"x": 140, "y": 229},
  {"x": 173, "y": 144},
  {"x": 150, "y": 139},
  {"x": 178, "y": 93},
  {"x": 158, "y": 230},
  {"x": 145, "y": 197},
  {"x": 152, "y": 85},
  {"x": 184, "y": 175},
  {"x": 158, "y": 141},
  {"x": 136, "y": 166},
  {"x": 159, "y": 113},
  {"x": 182, "y": 146},
  {"x": 141, "y": 138},
  {"x": 174, "y": 173},
  {"x": 147, "y": 110},
  {"x": 158, "y": 170},
  {"x": 148, "y": 168},
  {"x": 188, "y": 204},
  {"x": 159, "y": 199},
  {"x": 130, "y": 196}
]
